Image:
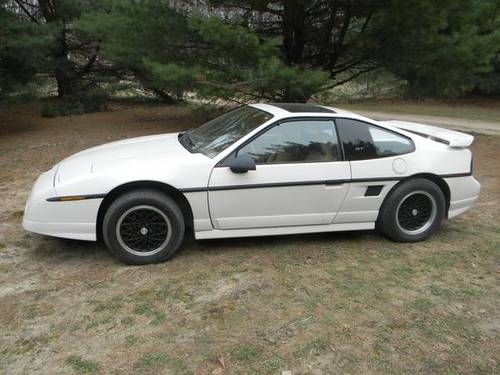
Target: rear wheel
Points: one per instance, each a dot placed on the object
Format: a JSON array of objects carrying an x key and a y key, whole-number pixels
[
  {"x": 413, "y": 211},
  {"x": 143, "y": 226}
]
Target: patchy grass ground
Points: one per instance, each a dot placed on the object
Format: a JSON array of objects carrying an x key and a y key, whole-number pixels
[{"x": 323, "y": 303}]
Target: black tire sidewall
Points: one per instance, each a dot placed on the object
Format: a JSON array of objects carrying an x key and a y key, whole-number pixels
[
  {"x": 138, "y": 198},
  {"x": 387, "y": 221}
]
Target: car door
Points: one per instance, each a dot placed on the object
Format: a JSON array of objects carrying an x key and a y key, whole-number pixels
[
  {"x": 300, "y": 178},
  {"x": 379, "y": 158}
]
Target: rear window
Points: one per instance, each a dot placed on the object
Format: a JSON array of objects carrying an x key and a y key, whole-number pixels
[{"x": 362, "y": 141}]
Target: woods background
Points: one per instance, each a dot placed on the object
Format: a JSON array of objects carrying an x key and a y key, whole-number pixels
[{"x": 85, "y": 52}]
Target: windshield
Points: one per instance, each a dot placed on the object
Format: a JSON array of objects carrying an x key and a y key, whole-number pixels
[{"x": 216, "y": 135}]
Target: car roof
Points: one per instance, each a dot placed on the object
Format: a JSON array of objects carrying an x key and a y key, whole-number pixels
[
  {"x": 284, "y": 110},
  {"x": 303, "y": 108},
  {"x": 290, "y": 110}
]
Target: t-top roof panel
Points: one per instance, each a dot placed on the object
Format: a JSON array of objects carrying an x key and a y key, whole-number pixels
[{"x": 304, "y": 108}]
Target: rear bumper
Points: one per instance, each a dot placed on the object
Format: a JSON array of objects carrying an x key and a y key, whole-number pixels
[
  {"x": 70, "y": 219},
  {"x": 464, "y": 192}
]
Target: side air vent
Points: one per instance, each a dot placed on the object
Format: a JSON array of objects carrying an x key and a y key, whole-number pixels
[{"x": 373, "y": 191}]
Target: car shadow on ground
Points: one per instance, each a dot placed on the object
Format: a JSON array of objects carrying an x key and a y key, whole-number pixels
[
  {"x": 298, "y": 244},
  {"x": 228, "y": 243},
  {"x": 59, "y": 250}
]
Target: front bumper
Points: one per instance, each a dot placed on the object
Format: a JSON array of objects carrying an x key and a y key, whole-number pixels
[
  {"x": 69, "y": 219},
  {"x": 464, "y": 192}
]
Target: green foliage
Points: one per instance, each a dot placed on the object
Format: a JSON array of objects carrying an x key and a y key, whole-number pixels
[
  {"x": 437, "y": 46},
  {"x": 22, "y": 50},
  {"x": 38, "y": 42},
  {"x": 82, "y": 366},
  {"x": 174, "y": 53},
  {"x": 84, "y": 102},
  {"x": 245, "y": 353},
  {"x": 171, "y": 77},
  {"x": 488, "y": 84},
  {"x": 245, "y": 50},
  {"x": 155, "y": 360},
  {"x": 278, "y": 81},
  {"x": 148, "y": 39},
  {"x": 444, "y": 48}
]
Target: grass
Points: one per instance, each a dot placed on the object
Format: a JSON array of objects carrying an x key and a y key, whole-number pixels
[
  {"x": 131, "y": 340},
  {"x": 82, "y": 366},
  {"x": 273, "y": 365},
  {"x": 314, "y": 347},
  {"x": 31, "y": 313},
  {"x": 319, "y": 303},
  {"x": 154, "y": 361},
  {"x": 112, "y": 306},
  {"x": 245, "y": 353}
]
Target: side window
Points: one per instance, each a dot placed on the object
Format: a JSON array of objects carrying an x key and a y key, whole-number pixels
[
  {"x": 363, "y": 141},
  {"x": 295, "y": 141}
]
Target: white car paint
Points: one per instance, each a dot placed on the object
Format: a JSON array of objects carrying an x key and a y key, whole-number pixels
[
  {"x": 279, "y": 206},
  {"x": 330, "y": 196}
]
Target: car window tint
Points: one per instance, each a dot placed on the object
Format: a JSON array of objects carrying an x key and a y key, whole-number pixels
[
  {"x": 363, "y": 141},
  {"x": 388, "y": 143},
  {"x": 295, "y": 141}
]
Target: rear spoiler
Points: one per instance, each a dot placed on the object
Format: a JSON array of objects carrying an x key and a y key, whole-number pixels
[{"x": 450, "y": 137}]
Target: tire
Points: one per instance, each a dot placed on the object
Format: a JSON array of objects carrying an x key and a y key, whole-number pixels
[
  {"x": 143, "y": 226},
  {"x": 413, "y": 211}
]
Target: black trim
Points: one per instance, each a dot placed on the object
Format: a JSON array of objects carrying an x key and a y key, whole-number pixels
[
  {"x": 278, "y": 184},
  {"x": 339, "y": 136},
  {"x": 373, "y": 190},
  {"x": 303, "y": 107},
  {"x": 454, "y": 175},
  {"x": 194, "y": 190},
  {"x": 336, "y": 182},
  {"x": 342, "y": 157},
  {"x": 305, "y": 183},
  {"x": 225, "y": 161},
  {"x": 378, "y": 179},
  {"x": 69, "y": 198}
]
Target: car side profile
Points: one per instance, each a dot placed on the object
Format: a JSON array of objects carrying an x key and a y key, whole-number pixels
[{"x": 258, "y": 170}]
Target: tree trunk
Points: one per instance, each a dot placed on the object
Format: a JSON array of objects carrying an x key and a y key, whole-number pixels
[
  {"x": 164, "y": 96},
  {"x": 64, "y": 69},
  {"x": 66, "y": 86},
  {"x": 295, "y": 95},
  {"x": 294, "y": 31}
]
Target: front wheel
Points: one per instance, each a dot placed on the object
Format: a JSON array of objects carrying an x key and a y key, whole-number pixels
[
  {"x": 413, "y": 211},
  {"x": 144, "y": 226}
]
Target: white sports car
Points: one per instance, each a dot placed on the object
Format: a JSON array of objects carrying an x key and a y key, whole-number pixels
[{"x": 262, "y": 169}]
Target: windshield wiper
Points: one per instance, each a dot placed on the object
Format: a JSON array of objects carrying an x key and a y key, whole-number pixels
[{"x": 187, "y": 141}]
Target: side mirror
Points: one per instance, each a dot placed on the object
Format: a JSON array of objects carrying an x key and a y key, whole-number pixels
[{"x": 242, "y": 164}]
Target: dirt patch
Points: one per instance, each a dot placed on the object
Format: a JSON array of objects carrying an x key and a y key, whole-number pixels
[{"x": 323, "y": 303}]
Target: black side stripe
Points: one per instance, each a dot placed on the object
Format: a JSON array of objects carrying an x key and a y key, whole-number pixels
[
  {"x": 281, "y": 184},
  {"x": 453, "y": 175},
  {"x": 305, "y": 183},
  {"x": 260, "y": 186},
  {"x": 277, "y": 184},
  {"x": 68, "y": 198}
]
